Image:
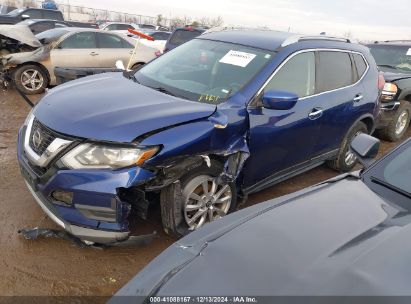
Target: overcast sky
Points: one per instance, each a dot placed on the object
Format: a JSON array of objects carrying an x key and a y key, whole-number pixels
[{"x": 365, "y": 19}]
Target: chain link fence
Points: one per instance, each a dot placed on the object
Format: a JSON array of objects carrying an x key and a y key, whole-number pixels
[{"x": 89, "y": 14}]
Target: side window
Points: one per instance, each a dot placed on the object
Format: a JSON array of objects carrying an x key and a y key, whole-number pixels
[
  {"x": 34, "y": 14},
  {"x": 124, "y": 27},
  {"x": 107, "y": 41},
  {"x": 52, "y": 15},
  {"x": 335, "y": 71},
  {"x": 111, "y": 27},
  {"x": 82, "y": 40},
  {"x": 40, "y": 27},
  {"x": 296, "y": 76},
  {"x": 360, "y": 64}
]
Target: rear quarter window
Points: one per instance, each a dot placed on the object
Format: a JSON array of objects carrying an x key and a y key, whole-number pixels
[
  {"x": 360, "y": 64},
  {"x": 335, "y": 71}
]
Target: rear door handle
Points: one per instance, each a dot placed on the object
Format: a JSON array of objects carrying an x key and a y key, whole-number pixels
[
  {"x": 358, "y": 98},
  {"x": 94, "y": 54},
  {"x": 315, "y": 114}
]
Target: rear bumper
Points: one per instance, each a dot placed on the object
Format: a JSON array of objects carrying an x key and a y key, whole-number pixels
[{"x": 387, "y": 113}]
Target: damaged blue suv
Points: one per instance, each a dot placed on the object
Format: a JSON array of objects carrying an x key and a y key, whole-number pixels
[{"x": 222, "y": 116}]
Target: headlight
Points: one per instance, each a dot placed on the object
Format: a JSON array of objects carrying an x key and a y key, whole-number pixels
[
  {"x": 94, "y": 156},
  {"x": 389, "y": 92}
]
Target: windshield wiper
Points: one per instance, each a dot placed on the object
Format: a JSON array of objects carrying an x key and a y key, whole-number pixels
[
  {"x": 163, "y": 90},
  {"x": 391, "y": 187}
]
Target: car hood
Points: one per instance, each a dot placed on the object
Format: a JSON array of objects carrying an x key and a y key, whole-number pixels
[
  {"x": 20, "y": 33},
  {"x": 110, "y": 107},
  {"x": 333, "y": 239},
  {"x": 393, "y": 76}
]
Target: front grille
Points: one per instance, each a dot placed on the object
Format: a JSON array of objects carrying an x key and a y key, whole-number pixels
[{"x": 41, "y": 137}]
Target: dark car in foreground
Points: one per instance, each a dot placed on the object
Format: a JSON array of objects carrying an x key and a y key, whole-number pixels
[
  {"x": 348, "y": 236},
  {"x": 22, "y": 14},
  {"x": 394, "y": 59},
  {"x": 222, "y": 116},
  {"x": 182, "y": 35}
]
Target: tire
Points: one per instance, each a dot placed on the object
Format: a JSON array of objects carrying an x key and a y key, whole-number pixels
[
  {"x": 31, "y": 79},
  {"x": 346, "y": 161},
  {"x": 177, "y": 219},
  {"x": 399, "y": 125}
]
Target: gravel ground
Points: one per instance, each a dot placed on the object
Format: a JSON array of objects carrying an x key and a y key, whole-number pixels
[{"x": 55, "y": 267}]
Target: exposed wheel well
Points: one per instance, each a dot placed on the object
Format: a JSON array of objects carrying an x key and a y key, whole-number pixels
[
  {"x": 408, "y": 98},
  {"x": 369, "y": 122}
]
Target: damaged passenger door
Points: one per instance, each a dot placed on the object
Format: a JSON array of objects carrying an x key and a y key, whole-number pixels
[
  {"x": 76, "y": 51},
  {"x": 283, "y": 139}
]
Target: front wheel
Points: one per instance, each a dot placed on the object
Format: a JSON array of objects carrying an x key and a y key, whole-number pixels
[
  {"x": 30, "y": 79},
  {"x": 399, "y": 125},
  {"x": 202, "y": 201},
  {"x": 346, "y": 159}
]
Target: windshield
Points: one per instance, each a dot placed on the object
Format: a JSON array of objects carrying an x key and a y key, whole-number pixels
[
  {"x": 15, "y": 12},
  {"x": 392, "y": 57},
  {"x": 203, "y": 70}
]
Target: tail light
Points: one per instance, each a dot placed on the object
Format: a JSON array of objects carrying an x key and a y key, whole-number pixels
[{"x": 381, "y": 81}]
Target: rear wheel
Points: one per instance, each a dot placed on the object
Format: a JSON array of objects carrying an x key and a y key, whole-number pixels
[
  {"x": 399, "y": 125},
  {"x": 30, "y": 79},
  {"x": 346, "y": 159},
  {"x": 202, "y": 201}
]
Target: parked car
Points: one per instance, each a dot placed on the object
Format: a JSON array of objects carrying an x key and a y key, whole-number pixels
[
  {"x": 226, "y": 114},
  {"x": 33, "y": 71},
  {"x": 5, "y": 9},
  {"x": 160, "y": 39},
  {"x": 38, "y": 26},
  {"x": 118, "y": 26},
  {"x": 182, "y": 35},
  {"x": 394, "y": 59},
  {"x": 22, "y": 14},
  {"x": 147, "y": 26},
  {"x": 345, "y": 237}
]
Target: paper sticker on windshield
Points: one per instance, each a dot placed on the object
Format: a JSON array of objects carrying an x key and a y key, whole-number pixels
[
  {"x": 409, "y": 52},
  {"x": 238, "y": 58}
]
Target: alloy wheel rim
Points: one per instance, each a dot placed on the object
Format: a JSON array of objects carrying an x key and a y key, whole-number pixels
[
  {"x": 205, "y": 201},
  {"x": 401, "y": 123},
  {"x": 32, "y": 80}
]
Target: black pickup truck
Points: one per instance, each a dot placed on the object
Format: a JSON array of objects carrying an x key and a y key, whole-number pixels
[
  {"x": 394, "y": 60},
  {"x": 22, "y": 14}
]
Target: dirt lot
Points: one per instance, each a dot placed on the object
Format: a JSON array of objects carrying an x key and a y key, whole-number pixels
[{"x": 56, "y": 267}]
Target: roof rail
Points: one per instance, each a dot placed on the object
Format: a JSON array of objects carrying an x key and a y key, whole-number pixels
[{"x": 298, "y": 38}]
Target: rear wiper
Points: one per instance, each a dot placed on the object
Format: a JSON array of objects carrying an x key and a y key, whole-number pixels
[{"x": 391, "y": 187}]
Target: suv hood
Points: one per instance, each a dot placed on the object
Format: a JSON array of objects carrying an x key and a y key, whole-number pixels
[
  {"x": 393, "y": 76},
  {"x": 110, "y": 107}
]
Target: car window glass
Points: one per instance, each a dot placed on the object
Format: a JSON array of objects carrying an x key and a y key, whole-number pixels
[
  {"x": 83, "y": 40},
  {"x": 398, "y": 171},
  {"x": 34, "y": 14},
  {"x": 296, "y": 76},
  {"x": 107, "y": 41},
  {"x": 334, "y": 71},
  {"x": 360, "y": 64},
  {"x": 41, "y": 27},
  {"x": 182, "y": 36},
  {"x": 59, "y": 25},
  {"x": 52, "y": 15},
  {"x": 111, "y": 27},
  {"x": 123, "y": 27}
]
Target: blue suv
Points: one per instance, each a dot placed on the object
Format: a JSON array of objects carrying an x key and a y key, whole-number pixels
[{"x": 222, "y": 116}]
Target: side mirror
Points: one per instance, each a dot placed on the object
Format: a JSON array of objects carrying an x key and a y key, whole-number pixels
[
  {"x": 366, "y": 148},
  {"x": 279, "y": 100},
  {"x": 25, "y": 17},
  {"x": 120, "y": 65}
]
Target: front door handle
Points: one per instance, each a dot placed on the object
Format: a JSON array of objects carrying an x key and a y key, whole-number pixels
[
  {"x": 358, "y": 98},
  {"x": 315, "y": 114},
  {"x": 94, "y": 54}
]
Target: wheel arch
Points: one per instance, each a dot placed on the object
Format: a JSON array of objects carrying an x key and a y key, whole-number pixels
[{"x": 42, "y": 67}]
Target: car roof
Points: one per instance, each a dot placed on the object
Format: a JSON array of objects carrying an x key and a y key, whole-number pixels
[
  {"x": 265, "y": 39},
  {"x": 31, "y": 21}
]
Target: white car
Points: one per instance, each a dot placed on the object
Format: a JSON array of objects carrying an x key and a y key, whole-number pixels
[{"x": 160, "y": 39}]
